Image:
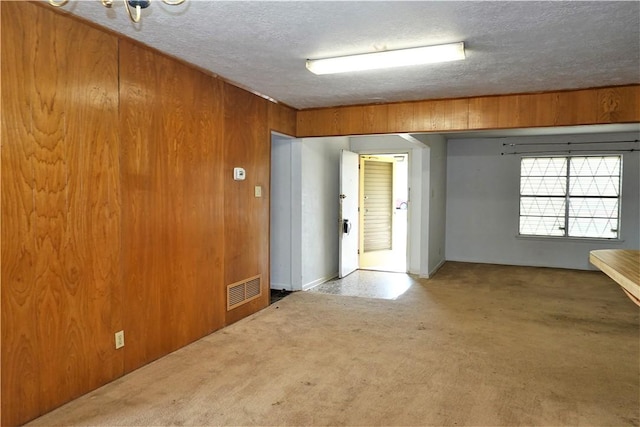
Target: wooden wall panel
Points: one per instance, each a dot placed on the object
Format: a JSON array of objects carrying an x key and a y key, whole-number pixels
[
  {"x": 115, "y": 190},
  {"x": 403, "y": 116},
  {"x": 246, "y": 217},
  {"x": 374, "y": 119},
  {"x": 618, "y": 104},
  {"x": 564, "y": 108},
  {"x": 443, "y": 115},
  {"x": 282, "y": 119},
  {"x": 318, "y": 122},
  {"x": 172, "y": 185},
  {"x": 61, "y": 288},
  {"x": 483, "y": 113},
  {"x": 577, "y": 108},
  {"x": 20, "y": 374}
]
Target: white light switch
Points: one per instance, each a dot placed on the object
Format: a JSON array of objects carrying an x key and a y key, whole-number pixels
[{"x": 258, "y": 191}]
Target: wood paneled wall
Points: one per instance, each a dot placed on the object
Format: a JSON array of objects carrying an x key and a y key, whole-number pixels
[
  {"x": 246, "y": 217},
  {"x": 172, "y": 204},
  {"x": 119, "y": 211},
  {"x": 282, "y": 119},
  {"x": 61, "y": 289},
  {"x": 567, "y": 108}
]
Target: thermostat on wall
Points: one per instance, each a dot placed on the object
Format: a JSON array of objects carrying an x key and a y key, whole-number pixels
[{"x": 239, "y": 174}]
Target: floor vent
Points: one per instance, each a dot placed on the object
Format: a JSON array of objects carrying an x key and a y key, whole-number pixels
[{"x": 243, "y": 291}]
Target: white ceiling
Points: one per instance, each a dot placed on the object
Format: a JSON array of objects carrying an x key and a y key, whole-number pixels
[{"x": 512, "y": 47}]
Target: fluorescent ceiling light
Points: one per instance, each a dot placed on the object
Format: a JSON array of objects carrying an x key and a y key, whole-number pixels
[{"x": 388, "y": 59}]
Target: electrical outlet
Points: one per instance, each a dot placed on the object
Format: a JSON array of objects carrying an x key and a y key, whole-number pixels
[
  {"x": 258, "y": 191},
  {"x": 119, "y": 339}
]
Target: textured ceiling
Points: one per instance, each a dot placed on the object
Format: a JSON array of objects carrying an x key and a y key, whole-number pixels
[{"x": 512, "y": 47}]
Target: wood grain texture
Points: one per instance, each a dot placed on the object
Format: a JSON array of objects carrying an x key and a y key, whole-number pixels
[
  {"x": 403, "y": 116},
  {"x": 115, "y": 193},
  {"x": 317, "y": 122},
  {"x": 619, "y": 104},
  {"x": 374, "y": 118},
  {"x": 442, "y": 115},
  {"x": 246, "y": 217},
  {"x": 18, "y": 298},
  {"x": 563, "y": 108},
  {"x": 282, "y": 119},
  {"x": 172, "y": 185},
  {"x": 61, "y": 288},
  {"x": 623, "y": 266}
]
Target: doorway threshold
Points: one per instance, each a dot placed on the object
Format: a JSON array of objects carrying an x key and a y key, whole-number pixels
[{"x": 368, "y": 284}]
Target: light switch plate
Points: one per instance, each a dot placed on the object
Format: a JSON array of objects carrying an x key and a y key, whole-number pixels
[
  {"x": 119, "y": 339},
  {"x": 258, "y": 191}
]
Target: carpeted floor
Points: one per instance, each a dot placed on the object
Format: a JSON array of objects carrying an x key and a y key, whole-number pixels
[{"x": 476, "y": 345}]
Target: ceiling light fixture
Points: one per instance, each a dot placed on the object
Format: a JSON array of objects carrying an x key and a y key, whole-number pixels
[
  {"x": 388, "y": 59},
  {"x": 134, "y": 7}
]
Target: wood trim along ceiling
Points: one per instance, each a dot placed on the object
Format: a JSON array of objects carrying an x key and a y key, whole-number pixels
[{"x": 619, "y": 104}]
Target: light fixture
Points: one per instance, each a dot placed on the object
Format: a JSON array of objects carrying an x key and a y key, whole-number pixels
[
  {"x": 133, "y": 6},
  {"x": 388, "y": 59}
]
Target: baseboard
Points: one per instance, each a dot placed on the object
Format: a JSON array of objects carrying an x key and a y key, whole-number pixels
[
  {"x": 316, "y": 282},
  {"x": 433, "y": 270},
  {"x": 586, "y": 267},
  {"x": 437, "y": 267}
]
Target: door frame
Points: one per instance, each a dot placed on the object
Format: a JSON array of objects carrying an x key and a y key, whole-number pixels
[{"x": 408, "y": 153}]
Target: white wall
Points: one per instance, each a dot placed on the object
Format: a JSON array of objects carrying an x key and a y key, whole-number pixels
[
  {"x": 483, "y": 206},
  {"x": 285, "y": 212},
  {"x": 320, "y": 162},
  {"x": 437, "y": 202},
  {"x": 416, "y": 218},
  {"x": 304, "y": 210}
]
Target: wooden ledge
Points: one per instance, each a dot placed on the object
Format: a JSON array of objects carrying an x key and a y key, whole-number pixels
[{"x": 623, "y": 266}]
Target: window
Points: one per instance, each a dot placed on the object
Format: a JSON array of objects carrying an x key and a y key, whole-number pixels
[{"x": 576, "y": 196}]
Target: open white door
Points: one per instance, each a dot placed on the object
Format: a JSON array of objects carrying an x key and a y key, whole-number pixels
[{"x": 348, "y": 227}]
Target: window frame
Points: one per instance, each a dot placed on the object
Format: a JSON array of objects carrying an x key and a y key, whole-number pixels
[{"x": 568, "y": 196}]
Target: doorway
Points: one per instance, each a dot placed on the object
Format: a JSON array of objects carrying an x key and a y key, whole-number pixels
[{"x": 384, "y": 198}]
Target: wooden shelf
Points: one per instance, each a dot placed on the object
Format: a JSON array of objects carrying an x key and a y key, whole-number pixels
[{"x": 621, "y": 265}]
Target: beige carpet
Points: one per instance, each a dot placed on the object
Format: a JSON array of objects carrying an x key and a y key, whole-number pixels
[{"x": 476, "y": 345}]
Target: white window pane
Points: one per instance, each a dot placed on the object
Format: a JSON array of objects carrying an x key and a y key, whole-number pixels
[
  {"x": 595, "y": 166},
  {"x": 543, "y": 186},
  {"x": 594, "y": 186},
  {"x": 594, "y": 189},
  {"x": 543, "y": 166},
  {"x": 542, "y": 206},
  {"x": 593, "y": 207},
  {"x": 541, "y": 226},
  {"x": 593, "y": 227}
]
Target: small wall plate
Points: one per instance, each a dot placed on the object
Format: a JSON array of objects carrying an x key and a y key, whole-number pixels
[{"x": 239, "y": 174}]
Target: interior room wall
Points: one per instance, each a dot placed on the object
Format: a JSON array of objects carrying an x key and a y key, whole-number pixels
[
  {"x": 282, "y": 187},
  {"x": 320, "y": 207},
  {"x": 172, "y": 204},
  {"x": 61, "y": 293},
  {"x": 119, "y": 208},
  {"x": 247, "y": 144},
  {"x": 437, "y": 178},
  {"x": 483, "y": 206},
  {"x": 305, "y": 181}
]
